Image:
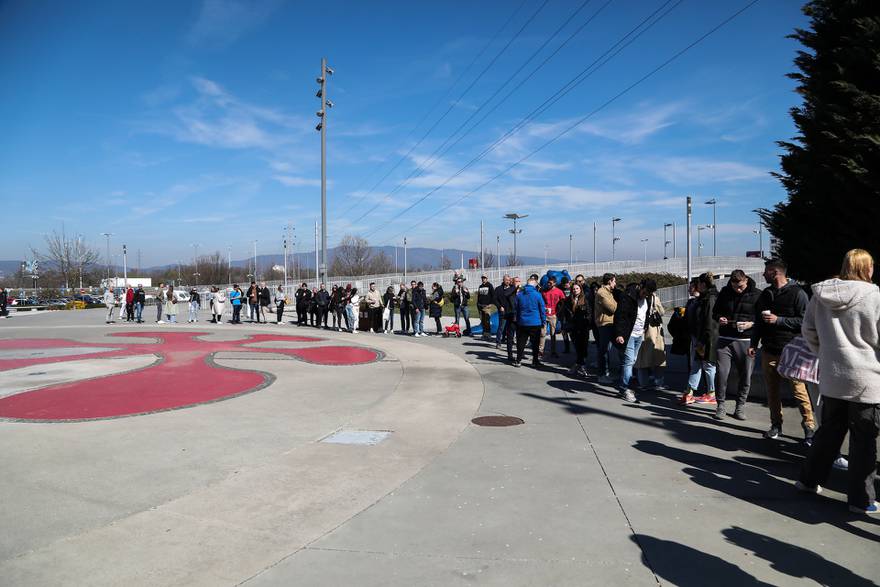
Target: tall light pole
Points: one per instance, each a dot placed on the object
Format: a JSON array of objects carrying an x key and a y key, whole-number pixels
[
  {"x": 108, "y": 235},
  {"x": 514, "y": 216},
  {"x": 317, "y": 277},
  {"x": 322, "y": 128},
  {"x": 125, "y": 265},
  {"x": 614, "y": 238},
  {"x": 713, "y": 202},
  {"x": 255, "y": 261},
  {"x": 700, "y": 229},
  {"x": 594, "y": 245},
  {"x": 286, "y": 239},
  {"x": 482, "y": 265},
  {"x": 760, "y": 233},
  {"x": 666, "y": 242},
  {"x": 196, "y": 273},
  {"x": 498, "y": 252},
  {"x": 229, "y": 265},
  {"x": 79, "y": 250},
  {"x": 404, "y": 259},
  {"x": 690, "y": 215},
  {"x": 570, "y": 246},
  {"x": 645, "y": 242}
]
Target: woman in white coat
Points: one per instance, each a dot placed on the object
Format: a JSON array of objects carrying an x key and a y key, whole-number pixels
[
  {"x": 219, "y": 299},
  {"x": 842, "y": 326}
]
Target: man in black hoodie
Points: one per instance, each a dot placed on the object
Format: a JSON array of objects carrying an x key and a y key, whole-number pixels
[
  {"x": 323, "y": 301},
  {"x": 779, "y": 313},
  {"x": 485, "y": 300},
  {"x": 735, "y": 313},
  {"x": 505, "y": 299}
]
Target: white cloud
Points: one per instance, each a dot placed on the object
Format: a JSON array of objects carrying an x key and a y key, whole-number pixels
[
  {"x": 699, "y": 170},
  {"x": 221, "y": 22},
  {"x": 294, "y": 181}
]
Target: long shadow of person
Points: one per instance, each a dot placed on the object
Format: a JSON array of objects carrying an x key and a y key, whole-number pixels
[
  {"x": 682, "y": 565},
  {"x": 756, "y": 486},
  {"x": 795, "y": 561}
]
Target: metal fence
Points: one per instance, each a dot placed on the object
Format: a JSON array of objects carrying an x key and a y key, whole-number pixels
[{"x": 717, "y": 265}]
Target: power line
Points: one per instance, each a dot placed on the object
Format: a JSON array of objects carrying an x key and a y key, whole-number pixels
[
  {"x": 438, "y": 102},
  {"x": 443, "y": 149},
  {"x": 590, "y": 114},
  {"x": 557, "y": 95}
]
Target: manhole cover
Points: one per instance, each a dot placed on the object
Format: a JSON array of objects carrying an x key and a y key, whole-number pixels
[
  {"x": 498, "y": 421},
  {"x": 363, "y": 437}
]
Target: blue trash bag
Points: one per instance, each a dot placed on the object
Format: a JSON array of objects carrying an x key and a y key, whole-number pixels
[
  {"x": 559, "y": 275},
  {"x": 493, "y": 325}
]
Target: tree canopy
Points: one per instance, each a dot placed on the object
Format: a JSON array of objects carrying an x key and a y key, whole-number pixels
[{"x": 831, "y": 169}]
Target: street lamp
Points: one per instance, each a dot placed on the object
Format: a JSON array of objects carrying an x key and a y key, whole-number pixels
[
  {"x": 514, "y": 216},
  {"x": 700, "y": 229},
  {"x": 321, "y": 271},
  {"x": 714, "y": 225},
  {"x": 614, "y": 237},
  {"x": 645, "y": 242},
  {"x": 196, "y": 273},
  {"x": 760, "y": 233},
  {"x": 108, "y": 235},
  {"x": 666, "y": 243}
]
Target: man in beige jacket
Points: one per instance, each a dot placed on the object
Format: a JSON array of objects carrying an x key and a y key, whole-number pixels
[
  {"x": 374, "y": 304},
  {"x": 604, "y": 315}
]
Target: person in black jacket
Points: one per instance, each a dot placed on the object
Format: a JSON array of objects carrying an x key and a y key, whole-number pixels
[
  {"x": 322, "y": 301},
  {"x": 140, "y": 299},
  {"x": 419, "y": 303},
  {"x": 704, "y": 341},
  {"x": 264, "y": 296},
  {"x": 460, "y": 297},
  {"x": 302, "y": 298},
  {"x": 735, "y": 312},
  {"x": 505, "y": 300},
  {"x": 630, "y": 320},
  {"x": 576, "y": 313},
  {"x": 485, "y": 300},
  {"x": 388, "y": 302},
  {"x": 779, "y": 313},
  {"x": 4, "y": 300}
]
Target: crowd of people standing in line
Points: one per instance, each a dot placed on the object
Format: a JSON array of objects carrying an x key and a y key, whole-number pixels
[{"x": 719, "y": 331}]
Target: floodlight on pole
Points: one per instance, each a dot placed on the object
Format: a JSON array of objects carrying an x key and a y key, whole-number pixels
[
  {"x": 326, "y": 104},
  {"x": 713, "y": 202},
  {"x": 760, "y": 233},
  {"x": 645, "y": 242},
  {"x": 108, "y": 235},
  {"x": 614, "y": 238},
  {"x": 666, "y": 242},
  {"x": 514, "y": 216},
  {"x": 700, "y": 229}
]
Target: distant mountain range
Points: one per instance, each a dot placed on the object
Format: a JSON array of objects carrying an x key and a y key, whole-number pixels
[{"x": 416, "y": 257}]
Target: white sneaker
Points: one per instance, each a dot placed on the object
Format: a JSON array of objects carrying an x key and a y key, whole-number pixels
[
  {"x": 160, "y": 322},
  {"x": 841, "y": 464}
]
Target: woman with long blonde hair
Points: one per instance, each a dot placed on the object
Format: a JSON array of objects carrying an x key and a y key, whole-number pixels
[{"x": 842, "y": 326}]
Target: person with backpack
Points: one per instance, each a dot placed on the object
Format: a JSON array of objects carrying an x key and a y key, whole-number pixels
[
  {"x": 779, "y": 313},
  {"x": 485, "y": 300},
  {"x": 461, "y": 296},
  {"x": 531, "y": 318},
  {"x": 735, "y": 312},
  {"x": 842, "y": 326},
  {"x": 703, "y": 330}
]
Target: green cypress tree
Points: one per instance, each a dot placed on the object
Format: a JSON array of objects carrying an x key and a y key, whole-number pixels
[{"x": 831, "y": 170}]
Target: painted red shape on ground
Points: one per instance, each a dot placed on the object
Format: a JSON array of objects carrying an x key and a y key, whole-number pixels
[{"x": 183, "y": 376}]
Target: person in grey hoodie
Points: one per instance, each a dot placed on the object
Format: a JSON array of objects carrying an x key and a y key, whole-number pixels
[{"x": 842, "y": 326}]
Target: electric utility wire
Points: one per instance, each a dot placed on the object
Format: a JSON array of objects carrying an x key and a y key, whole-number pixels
[
  {"x": 626, "y": 40},
  {"x": 592, "y": 113},
  {"x": 431, "y": 110},
  {"x": 445, "y": 147}
]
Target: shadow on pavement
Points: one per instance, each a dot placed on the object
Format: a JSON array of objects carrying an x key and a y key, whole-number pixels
[
  {"x": 682, "y": 565},
  {"x": 794, "y": 561}
]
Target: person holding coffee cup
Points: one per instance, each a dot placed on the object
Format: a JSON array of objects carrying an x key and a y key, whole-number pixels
[
  {"x": 779, "y": 314},
  {"x": 735, "y": 312}
]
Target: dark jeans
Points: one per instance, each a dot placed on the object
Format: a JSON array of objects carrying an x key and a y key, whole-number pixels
[
  {"x": 528, "y": 334},
  {"x": 581, "y": 338},
  {"x": 236, "y": 313},
  {"x": 405, "y": 319},
  {"x": 509, "y": 332},
  {"x": 376, "y": 319},
  {"x": 129, "y": 312},
  {"x": 323, "y": 312},
  {"x": 862, "y": 421},
  {"x": 463, "y": 312},
  {"x": 606, "y": 335},
  {"x": 280, "y": 312},
  {"x": 736, "y": 353}
]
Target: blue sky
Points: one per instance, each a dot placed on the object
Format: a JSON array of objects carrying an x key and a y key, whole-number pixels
[{"x": 171, "y": 123}]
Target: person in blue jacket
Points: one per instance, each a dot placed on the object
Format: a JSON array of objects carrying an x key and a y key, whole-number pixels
[{"x": 531, "y": 316}]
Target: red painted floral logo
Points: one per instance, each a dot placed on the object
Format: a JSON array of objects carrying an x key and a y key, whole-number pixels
[{"x": 183, "y": 375}]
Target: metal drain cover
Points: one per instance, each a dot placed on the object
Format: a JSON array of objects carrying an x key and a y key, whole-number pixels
[
  {"x": 498, "y": 421},
  {"x": 362, "y": 437}
]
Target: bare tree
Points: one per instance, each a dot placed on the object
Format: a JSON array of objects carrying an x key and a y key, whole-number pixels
[
  {"x": 68, "y": 257},
  {"x": 381, "y": 263},
  {"x": 512, "y": 261},
  {"x": 353, "y": 256},
  {"x": 488, "y": 259}
]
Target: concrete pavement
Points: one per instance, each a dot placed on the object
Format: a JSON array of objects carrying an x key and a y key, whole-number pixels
[{"x": 587, "y": 491}]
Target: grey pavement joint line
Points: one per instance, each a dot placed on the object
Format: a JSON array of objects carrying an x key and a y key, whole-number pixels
[{"x": 619, "y": 503}]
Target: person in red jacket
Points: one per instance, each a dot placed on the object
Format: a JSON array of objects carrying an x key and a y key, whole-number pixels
[
  {"x": 553, "y": 296},
  {"x": 129, "y": 304}
]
